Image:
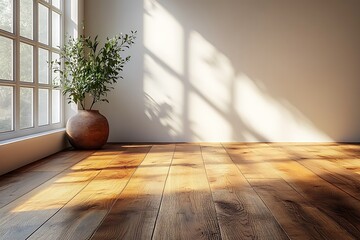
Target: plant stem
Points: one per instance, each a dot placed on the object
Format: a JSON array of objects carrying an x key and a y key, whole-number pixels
[
  {"x": 92, "y": 104},
  {"x": 82, "y": 105}
]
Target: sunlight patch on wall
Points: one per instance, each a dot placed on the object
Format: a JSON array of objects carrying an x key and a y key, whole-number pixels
[
  {"x": 194, "y": 92},
  {"x": 206, "y": 121},
  {"x": 210, "y": 71},
  {"x": 275, "y": 121},
  {"x": 163, "y": 96},
  {"x": 163, "y": 36},
  {"x": 210, "y": 75},
  {"x": 163, "y": 69}
]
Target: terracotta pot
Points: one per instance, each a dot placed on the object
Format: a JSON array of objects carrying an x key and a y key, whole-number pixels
[{"x": 88, "y": 129}]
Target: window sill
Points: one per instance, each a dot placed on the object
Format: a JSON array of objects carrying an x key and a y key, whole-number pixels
[{"x": 31, "y": 136}]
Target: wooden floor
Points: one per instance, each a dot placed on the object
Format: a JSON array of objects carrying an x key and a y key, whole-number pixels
[{"x": 186, "y": 191}]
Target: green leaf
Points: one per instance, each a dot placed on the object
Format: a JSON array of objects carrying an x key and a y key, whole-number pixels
[{"x": 86, "y": 69}]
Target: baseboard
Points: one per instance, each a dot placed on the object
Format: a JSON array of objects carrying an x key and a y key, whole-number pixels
[{"x": 19, "y": 152}]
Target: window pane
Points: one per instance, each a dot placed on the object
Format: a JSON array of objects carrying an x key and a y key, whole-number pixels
[
  {"x": 43, "y": 106},
  {"x": 6, "y": 108},
  {"x": 26, "y": 62},
  {"x": 26, "y": 107},
  {"x": 56, "y": 3},
  {"x": 43, "y": 24},
  {"x": 26, "y": 18},
  {"x": 43, "y": 66},
  {"x": 6, "y": 59},
  {"x": 6, "y": 15},
  {"x": 55, "y": 106},
  {"x": 55, "y": 75},
  {"x": 55, "y": 29}
]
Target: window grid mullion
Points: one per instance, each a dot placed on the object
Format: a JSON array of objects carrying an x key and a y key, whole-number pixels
[
  {"x": 62, "y": 40},
  {"x": 35, "y": 85},
  {"x": 16, "y": 67},
  {"x": 50, "y": 79},
  {"x": 7, "y": 34}
]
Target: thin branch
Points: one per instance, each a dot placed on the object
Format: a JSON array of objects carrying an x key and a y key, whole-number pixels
[
  {"x": 83, "y": 104},
  {"x": 93, "y": 102}
]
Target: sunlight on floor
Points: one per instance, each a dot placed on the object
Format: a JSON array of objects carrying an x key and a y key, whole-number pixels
[{"x": 55, "y": 194}]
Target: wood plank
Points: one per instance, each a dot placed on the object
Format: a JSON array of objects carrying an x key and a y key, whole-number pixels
[
  {"x": 348, "y": 157},
  {"x": 82, "y": 215},
  {"x": 297, "y": 217},
  {"x": 240, "y": 211},
  {"x": 326, "y": 166},
  {"x": 351, "y": 164},
  {"x": 187, "y": 210},
  {"x": 312, "y": 150},
  {"x": 250, "y": 163},
  {"x": 339, "y": 151},
  {"x": 17, "y": 183},
  {"x": 22, "y": 217},
  {"x": 338, "y": 154},
  {"x": 341, "y": 207},
  {"x": 311, "y": 192},
  {"x": 351, "y": 149},
  {"x": 134, "y": 213},
  {"x": 344, "y": 179},
  {"x": 324, "y": 150}
]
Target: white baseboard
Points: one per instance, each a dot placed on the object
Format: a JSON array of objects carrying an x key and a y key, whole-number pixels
[{"x": 19, "y": 152}]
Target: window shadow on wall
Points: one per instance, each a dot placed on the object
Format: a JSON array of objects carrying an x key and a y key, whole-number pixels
[{"x": 245, "y": 71}]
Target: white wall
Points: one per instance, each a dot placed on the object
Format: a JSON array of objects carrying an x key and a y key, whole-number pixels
[{"x": 209, "y": 70}]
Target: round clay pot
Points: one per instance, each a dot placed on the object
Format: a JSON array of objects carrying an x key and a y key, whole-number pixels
[{"x": 88, "y": 129}]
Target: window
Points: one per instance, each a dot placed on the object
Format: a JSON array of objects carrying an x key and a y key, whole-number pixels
[{"x": 30, "y": 37}]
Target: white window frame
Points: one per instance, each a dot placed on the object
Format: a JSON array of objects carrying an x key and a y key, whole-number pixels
[{"x": 16, "y": 84}]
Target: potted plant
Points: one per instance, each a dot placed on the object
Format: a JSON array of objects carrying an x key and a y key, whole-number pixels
[{"x": 86, "y": 73}]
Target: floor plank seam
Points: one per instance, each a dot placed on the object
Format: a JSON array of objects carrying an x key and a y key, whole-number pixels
[
  {"x": 212, "y": 198},
  {"x": 308, "y": 168},
  {"x": 236, "y": 165},
  {"x": 264, "y": 191},
  {"x": 267, "y": 207},
  {"x": 117, "y": 197},
  {"x": 322, "y": 210},
  {"x": 162, "y": 194},
  {"x": 286, "y": 233},
  {"x": 47, "y": 180},
  {"x": 358, "y": 199},
  {"x": 63, "y": 205},
  {"x": 298, "y": 192}
]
